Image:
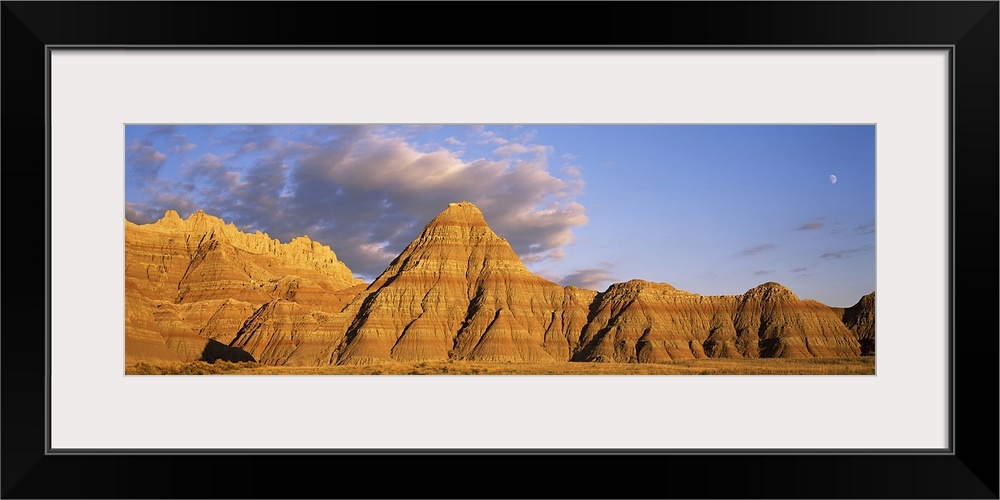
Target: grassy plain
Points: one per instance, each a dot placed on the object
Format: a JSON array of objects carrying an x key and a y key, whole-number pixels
[{"x": 810, "y": 366}]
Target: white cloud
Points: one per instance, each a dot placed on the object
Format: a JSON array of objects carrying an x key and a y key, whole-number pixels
[
  {"x": 527, "y": 137},
  {"x": 592, "y": 279},
  {"x": 367, "y": 193},
  {"x": 512, "y": 149},
  {"x": 571, "y": 170},
  {"x": 488, "y": 136}
]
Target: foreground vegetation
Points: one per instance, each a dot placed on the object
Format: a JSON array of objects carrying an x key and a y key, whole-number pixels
[{"x": 812, "y": 366}]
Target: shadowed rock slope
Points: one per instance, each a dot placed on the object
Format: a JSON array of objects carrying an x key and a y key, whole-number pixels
[
  {"x": 458, "y": 291},
  {"x": 860, "y": 319}
]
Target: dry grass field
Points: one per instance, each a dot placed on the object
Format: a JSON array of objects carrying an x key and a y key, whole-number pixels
[{"x": 811, "y": 366}]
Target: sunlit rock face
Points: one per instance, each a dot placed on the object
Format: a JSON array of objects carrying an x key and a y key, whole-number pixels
[
  {"x": 190, "y": 285},
  {"x": 644, "y": 322},
  {"x": 201, "y": 289},
  {"x": 459, "y": 291},
  {"x": 784, "y": 326}
]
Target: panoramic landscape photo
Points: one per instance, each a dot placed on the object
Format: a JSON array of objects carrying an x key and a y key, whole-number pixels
[{"x": 499, "y": 249}]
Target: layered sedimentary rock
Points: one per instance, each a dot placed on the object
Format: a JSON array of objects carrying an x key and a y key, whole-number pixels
[
  {"x": 143, "y": 341},
  {"x": 282, "y": 332},
  {"x": 203, "y": 258},
  {"x": 192, "y": 284},
  {"x": 784, "y": 326},
  {"x": 639, "y": 321},
  {"x": 460, "y": 291},
  {"x": 860, "y": 319},
  {"x": 201, "y": 289},
  {"x": 644, "y": 322}
]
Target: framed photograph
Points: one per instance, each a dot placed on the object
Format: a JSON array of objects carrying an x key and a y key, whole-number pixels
[
  {"x": 259, "y": 115},
  {"x": 473, "y": 249}
]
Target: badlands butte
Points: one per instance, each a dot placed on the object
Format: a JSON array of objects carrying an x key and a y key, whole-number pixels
[{"x": 201, "y": 290}]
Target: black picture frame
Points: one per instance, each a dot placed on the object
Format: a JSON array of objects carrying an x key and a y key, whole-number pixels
[{"x": 968, "y": 470}]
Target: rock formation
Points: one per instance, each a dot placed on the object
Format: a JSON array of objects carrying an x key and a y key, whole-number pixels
[
  {"x": 201, "y": 289},
  {"x": 190, "y": 285},
  {"x": 644, "y": 322},
  {"x": 784, "y": 326},
  {"x": 860, "y": 319},
  {"x": 460, "y": 291}
]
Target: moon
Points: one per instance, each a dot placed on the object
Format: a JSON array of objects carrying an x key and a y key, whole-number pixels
[{"x": 833, "y": 179}]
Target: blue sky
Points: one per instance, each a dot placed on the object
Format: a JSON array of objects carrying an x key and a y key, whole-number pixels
[{"x": 709, "y": 209}]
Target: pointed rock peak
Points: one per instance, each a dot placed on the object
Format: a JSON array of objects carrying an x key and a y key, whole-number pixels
[
  {"x": 170, "y": 219},
  {"x": 200, "y": 221},
  {"x": 633, "y": 289},
  {"x": 771, "y": 285},
  {"x": 201, "y": 215},
  {"x": 457, "y": 244},
  {"x": 460, "y": 214},
  {"x": 770, "y": 290},
  {"x": 463, "y": 205}
]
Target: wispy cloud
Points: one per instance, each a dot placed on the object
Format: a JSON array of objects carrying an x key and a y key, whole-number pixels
[
  {"x": 527, "y": 136},
  {"x": 866, "y": 228},
  {"x": 810, "y": 226},
  {"x": 142, "y": 160},
  {"x": 571, "y": 170},
  {"x": 758, "y": 249},
  {"x": 840, "y": 254},
  {"x": 136, "y": 213},
  {"x": 160, "y": 195},
  {"x": 488, "y": 136},
  {"x": 592, "y": 279},
  {"x": 512, "y": 149},
  {"x": 762, "y": 273},
  {"x": 212, "y": 169},
  {"x": 800, "y": 269},
  {"x": 162, "y": 131}
]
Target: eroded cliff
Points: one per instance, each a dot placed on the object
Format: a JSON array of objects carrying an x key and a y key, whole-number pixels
[{"x": 202, "y": 289}]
